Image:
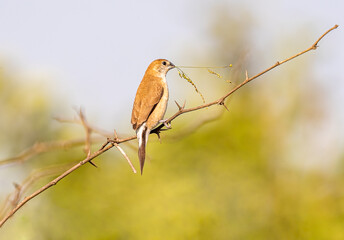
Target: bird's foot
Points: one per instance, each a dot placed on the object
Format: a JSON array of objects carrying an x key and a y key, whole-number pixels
[{"x": 167, "y": 125}]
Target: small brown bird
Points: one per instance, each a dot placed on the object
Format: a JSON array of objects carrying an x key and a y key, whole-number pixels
[{"x": 150, "y": 103}]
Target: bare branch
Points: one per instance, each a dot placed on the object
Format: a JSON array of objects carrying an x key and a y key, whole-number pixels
[
  {"x": 126, "y": 157},
  {"x": 114, "y": 143},
  {"x": 221, "y": 100},
  {"x": 53, "y": 182},
  {"x": 88, "y": 131},
  {"x": 13, "y": 199},
  {"x": 179, "y": 107},
  {"x": 42, "y": 147},
  {"x": 78, "y": 121}
]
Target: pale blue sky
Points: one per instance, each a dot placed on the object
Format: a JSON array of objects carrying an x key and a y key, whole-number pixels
[{"x": 95, "y": 52}]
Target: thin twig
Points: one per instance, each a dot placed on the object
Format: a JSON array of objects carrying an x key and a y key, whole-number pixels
[
  {"x": 126, "y": 157},
  {"x": 88, "y": 132},
  {"x": 114, "y": 142},
  {"x": 42, "y": 147},
  {"x": 13, "y": 198},
  {"x": 77, "y": 121}
]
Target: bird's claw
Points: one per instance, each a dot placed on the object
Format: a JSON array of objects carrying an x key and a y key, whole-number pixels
[{"x": 167, "y": 125}]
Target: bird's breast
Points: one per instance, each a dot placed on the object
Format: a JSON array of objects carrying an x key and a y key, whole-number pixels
[{"x": 160, "y": 109}]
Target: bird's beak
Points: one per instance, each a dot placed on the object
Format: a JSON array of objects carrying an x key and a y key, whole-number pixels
[{"x": 171, "y": 66}]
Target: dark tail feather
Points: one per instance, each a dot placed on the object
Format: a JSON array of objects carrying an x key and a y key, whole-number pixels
[{"x": 142, "y": 149}]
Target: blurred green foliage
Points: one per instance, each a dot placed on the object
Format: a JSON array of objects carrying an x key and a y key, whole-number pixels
[
  {"x": 231, "y": 178},
  {"x": 25, "y": 105}
]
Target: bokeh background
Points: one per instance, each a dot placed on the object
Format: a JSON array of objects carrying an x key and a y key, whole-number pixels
[{"x": 270, "y": 168}]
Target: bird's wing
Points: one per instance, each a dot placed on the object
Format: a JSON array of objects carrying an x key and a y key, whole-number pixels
[{"x": 147, "y": 97}]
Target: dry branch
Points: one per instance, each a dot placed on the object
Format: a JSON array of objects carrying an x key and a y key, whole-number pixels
[
  {"x": 13, "y": 199},
  {"x": 114, "y": 142},
  {"x": 221, "y": 100},
  {"x": 42, "y": 147}
]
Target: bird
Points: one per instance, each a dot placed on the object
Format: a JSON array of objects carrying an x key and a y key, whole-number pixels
[{"x": 150, "y": 103}]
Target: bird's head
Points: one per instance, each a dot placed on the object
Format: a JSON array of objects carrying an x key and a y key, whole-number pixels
[{"x": 160, "y": 66}]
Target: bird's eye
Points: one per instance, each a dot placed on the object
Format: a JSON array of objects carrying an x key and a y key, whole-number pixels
[{"x": 164, "y": 63}]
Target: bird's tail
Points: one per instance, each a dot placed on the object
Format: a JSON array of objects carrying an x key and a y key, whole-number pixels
[{"x": 142, "y": 135}]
